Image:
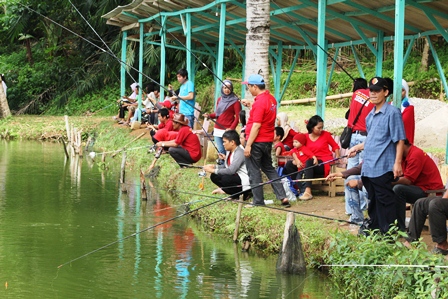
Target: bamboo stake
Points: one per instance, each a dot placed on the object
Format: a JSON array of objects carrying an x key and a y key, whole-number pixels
[
  {"x": 124, "y": 147},
  {"x": 143, "y": 186},
  {"x": 123, "y": 172},
  {"x": 237, "y": 222}
]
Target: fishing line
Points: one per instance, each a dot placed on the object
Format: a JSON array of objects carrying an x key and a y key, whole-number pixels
[
  {"x": 206, "y": 134},
  {"x": 96, "y": 33},
  {"x": 384, "y": 266},
  {"x": 295, "y": 23},
  {"x": 141, "y": 231},
  {"x": 93, "y": 154}
]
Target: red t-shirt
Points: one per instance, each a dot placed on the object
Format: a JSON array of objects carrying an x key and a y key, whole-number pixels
[
  {"x": 168, "y": 125},
  {"x": 409, "y": 123},
  {"x": 290, "y": 138},
  {"x": 358, "y": 99},
  {"x": 279, "y": 145},
  {"x": 229, "y": 118},
  {"x": 321, "y": 148},
  {"x": 190, "y": 142},
  {"x": 421, "y": 170},
  {"x": 264, "y": 111},
  {"x": 304, "y": 154}
]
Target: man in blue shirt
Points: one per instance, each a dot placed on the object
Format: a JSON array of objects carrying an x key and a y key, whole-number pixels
[
  {"x": 186, "y": 96},
  {"x": 383, "y": 153}
]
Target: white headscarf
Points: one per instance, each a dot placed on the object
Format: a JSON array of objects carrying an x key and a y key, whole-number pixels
[
  {"x": 283, "y": 120},
  {"x": 134, "y": 90},
  {"x": 406, "y": 101}
]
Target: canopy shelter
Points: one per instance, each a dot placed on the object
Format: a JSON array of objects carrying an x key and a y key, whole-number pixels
[{"x": 204, "y": 27}]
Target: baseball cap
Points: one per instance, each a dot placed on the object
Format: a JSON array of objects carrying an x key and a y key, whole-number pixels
[
  {"x": 254, "y": 79},
  {"x": 378, "y": 83}
]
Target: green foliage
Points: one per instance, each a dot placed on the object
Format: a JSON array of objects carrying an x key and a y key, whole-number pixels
[{"x": 382, "y": 267}]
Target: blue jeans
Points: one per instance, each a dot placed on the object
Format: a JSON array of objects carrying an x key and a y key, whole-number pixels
[
  {"x": 260, "y": 159},
  {"x": 190, "y": 120},
  {"x": 352, "y": 162},
  {"x": 219, "y": 145},
  {"x": 356, "y": 198}
]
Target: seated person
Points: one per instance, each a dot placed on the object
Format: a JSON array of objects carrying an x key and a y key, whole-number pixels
[
  {"x": 231, "y": 177},
  {"x": 150, "y": 103},
  {"x": 357, "y": 195},
  {"x": 319, "y": 142},
  {"x": 301, "y": 154},
  {"x": 165, "y": 123},
  {"x": 278, "y": 161},
  {"x": 436, "y": 209},
  {"x": 126, "y": 102},
  {"x": 186, "y": 148},
  {"x": 420, "y": 174},
  {"x": 289, "y": 133}
]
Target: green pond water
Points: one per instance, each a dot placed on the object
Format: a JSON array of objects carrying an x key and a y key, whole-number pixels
[{"x": 56, "y": 212}]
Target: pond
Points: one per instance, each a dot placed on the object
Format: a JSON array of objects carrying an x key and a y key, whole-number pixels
[{"x": 66, "y": 231}]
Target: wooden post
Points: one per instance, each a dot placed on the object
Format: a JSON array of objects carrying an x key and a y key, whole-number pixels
[
  {"x": 237, "y": 222},
  {"x": 123, "y": 172},
  {"x": 143, "y": 186},
  {"x": 291, "y": 259}
]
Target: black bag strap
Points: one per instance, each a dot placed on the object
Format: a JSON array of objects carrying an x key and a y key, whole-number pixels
[{"x": 359, "y": 113}]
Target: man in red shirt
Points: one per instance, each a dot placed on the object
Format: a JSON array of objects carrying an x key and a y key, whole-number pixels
[
  {"x": 420, "y": 174},
  {"x": 259, "y": 135},
  {"x": 164, "y": 123},
  {"x": 186, "y": 148}
]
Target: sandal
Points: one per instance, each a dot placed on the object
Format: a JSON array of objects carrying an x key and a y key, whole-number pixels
[
  {"x": 285, "y": 203},
  {"x": 306, "y": 196},
  {"x": 438, "y": 250}
]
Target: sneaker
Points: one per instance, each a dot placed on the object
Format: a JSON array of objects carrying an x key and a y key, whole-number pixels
[
  {"x": 438, "y": 250},
  {"x": 269, "y": 202}
]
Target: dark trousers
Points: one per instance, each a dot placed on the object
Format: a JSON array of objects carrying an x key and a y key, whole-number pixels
[
  {"x": 229, "y": 183},
  {"x": 260, "y": 158},
  {"x": 123, "y": 109},
  {"x": 313, "y": 172},
  {"x": 383, "y": 201},
  {"x": 406, "y": 194},
  {"x": 180, "y": 155}
]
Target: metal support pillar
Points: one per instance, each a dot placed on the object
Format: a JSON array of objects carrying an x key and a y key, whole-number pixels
[
  {"x": 220, "y": 54},
  {"x": 438, "y": 65},
  {"x": 398, "y": 50},
  {"x": 140, "y": 71},
  {"x": 278, "y": 73},
  {"x": 162, "y": 57},
  {"x": 321, "y": 60},
  {"x": 189, "y": 67},
  {"x": 124, "y": 46},
  {"x": 379, "y": 54}
]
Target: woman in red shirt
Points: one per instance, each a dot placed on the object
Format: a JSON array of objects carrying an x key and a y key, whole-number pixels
[
  {"x": 282, "y": 121},
  {"x": 319, "y": 142},
  {"x": 227, "y": 113}
]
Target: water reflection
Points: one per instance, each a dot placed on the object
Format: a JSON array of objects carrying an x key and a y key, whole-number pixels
[{"x": 53, "y": 211}]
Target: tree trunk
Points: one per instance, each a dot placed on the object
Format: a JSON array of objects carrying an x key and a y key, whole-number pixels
[
  {"x": 29, "y": 54},
  {"x": 4, "y": 107},
  {"x": 257, "y": 39},
  {"x": 425, "y": 56}
]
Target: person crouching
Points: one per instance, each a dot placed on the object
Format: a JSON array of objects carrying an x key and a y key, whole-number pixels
[
  {"x": 232, "y": 177},
  {"x": 186, "y": 148}
]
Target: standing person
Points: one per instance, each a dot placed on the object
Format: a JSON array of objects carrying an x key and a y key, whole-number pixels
[
  {"x": 186, "y": 148},
  {"x": 319, "y": 142},
  {"x": 383, "y": 155},
  {"x": 4, "y": 84},
  {"x": 186, "y": 96},
  {"x": 227, "y": 114},
  {"x": 407, "y": 112},
  {"x": 259, "y": 135},
  {"x": 231, "y": 177},
  {"x": 359, "y": 105}
]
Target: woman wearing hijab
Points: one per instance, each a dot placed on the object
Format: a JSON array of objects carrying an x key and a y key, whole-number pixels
[
  {"x": 227, "y": 113},
  {"x": 407, "y": 112},
  {"x": 282, "y": 121}
]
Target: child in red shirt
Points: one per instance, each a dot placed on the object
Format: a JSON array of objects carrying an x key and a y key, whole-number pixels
[{"x": 300, "y": 154}]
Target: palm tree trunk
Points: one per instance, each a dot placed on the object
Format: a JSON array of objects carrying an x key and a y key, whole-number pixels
[
  {"x": 257, "y": 39},
  {"x": 4, "y": 107}
]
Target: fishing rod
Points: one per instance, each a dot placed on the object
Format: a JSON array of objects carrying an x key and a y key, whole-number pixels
[
  {"x": 385, "y": 266},
  {"x": 141, "y": 231},
  {"x": 263, "y": 206},
  {"x": 326, "y": 52}
]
